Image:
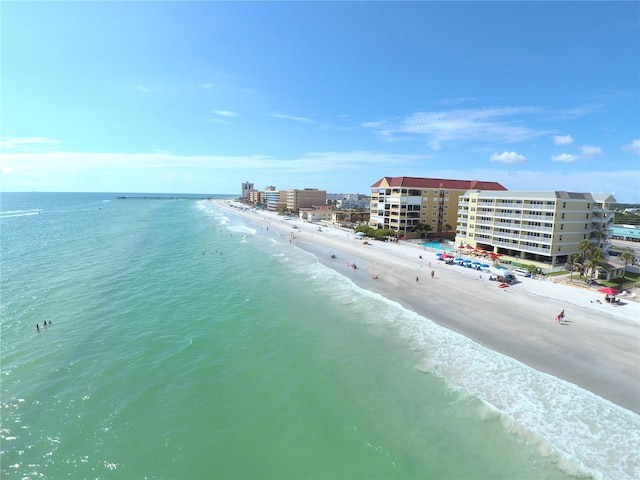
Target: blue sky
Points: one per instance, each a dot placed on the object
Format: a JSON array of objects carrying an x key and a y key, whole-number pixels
[{"x": 197, "y": 97}]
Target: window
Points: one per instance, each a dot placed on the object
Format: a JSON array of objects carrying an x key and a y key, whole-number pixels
[
  {"x": 562, "y": 226},
  {"x": 563, "y": 216}
]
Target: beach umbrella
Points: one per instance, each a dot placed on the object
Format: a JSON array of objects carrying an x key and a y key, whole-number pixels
[
  {"x": 484, "y": 265},
  {"x": 439, "y": 254},
  {"x": 360, "y": 234},
  {"x": 458, "y": 259},
  {"x": 609, "y": 291},
  {"x": 475, "y": 263},
  {"x": 446, "y": 255},
  {"x": 467, "y": 260}
]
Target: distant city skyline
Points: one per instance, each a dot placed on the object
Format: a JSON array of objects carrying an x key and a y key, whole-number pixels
[{"x": 199, "y": 97}]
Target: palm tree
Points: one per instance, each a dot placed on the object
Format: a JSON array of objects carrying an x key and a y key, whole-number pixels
[
  {"x": 595, "y": 260},
  {"x": 423, "y": 228},
  {"x": 574, "y": 259},
  {"x": 584, "y": 246},
  {"x": 627, "y": 257},
  {"x": 600, "y": 234}
]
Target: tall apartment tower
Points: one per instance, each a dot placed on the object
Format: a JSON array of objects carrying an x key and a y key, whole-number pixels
[{"x": 247, "y": 187}]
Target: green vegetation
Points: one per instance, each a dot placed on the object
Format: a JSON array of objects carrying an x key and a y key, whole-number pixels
[
  {"x": 423, "y": 228},
  {"x": 378, "y": 234},
  {"x": 621, "y": 218},
  {"x": 559, "y": 273}
]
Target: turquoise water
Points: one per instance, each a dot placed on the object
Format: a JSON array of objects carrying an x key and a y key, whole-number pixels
[
  {"x": 437, "y": 245},
  {"x": 188, "y": 343}
]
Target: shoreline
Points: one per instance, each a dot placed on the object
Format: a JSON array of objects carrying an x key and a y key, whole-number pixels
[{"x": 597, "y": 348}]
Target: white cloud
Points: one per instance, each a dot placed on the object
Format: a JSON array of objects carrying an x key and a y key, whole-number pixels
[
  {"x": 435, "y": 145},
  {"x": 562, "y": 140},
  {"x": 206, "y": 86},
  {"x": 564, "y": 158},
  {"x": 589, "y": 150},
  {"x": 27, "y": 142},
  {"x": 487, "y": 125},
  {"x": 63, "y": 162},
  {"x": 508, "y": 157},
  {"x": 225, "y": 113},
  {"x": 291, "y": 117},
  {"x": 145, "y": 89},
  {"x": 633, "y": 147}
]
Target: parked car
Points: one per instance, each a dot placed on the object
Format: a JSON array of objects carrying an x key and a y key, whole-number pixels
[{"x": 522, "y": 272}]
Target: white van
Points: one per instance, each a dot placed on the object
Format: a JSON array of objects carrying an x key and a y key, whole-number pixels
[{"x": 522, "y": 272}]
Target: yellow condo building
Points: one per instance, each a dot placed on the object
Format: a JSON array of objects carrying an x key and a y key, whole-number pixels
[
  {"x": 540, "y": 226},
  {"x": 401, "y": 203}
]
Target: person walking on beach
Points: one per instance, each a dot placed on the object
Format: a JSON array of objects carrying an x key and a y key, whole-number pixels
[
  {"x": 433, "y": 273},
  {"x": 417, "y": 279},
  {"x": 560, "y": 316}
]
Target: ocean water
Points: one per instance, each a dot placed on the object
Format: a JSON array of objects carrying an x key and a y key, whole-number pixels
[{"x": 187, "y": 343}]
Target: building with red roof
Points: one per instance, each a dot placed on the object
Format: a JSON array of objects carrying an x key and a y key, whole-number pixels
[{"x": 406, "y": 204}]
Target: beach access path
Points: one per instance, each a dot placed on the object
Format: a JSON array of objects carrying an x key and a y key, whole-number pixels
[{"x": 597, "y": 347}]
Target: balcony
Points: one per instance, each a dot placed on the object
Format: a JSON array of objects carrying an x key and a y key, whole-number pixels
[
  {"x": 538, "y": 218},
  {"x": 515, "y": 226},
  {"x": 499, "y": 235},
  {"x": 529, "y": 238},
  {"x": 536, "y": 228},
  {"x": 541, "y": 251},
  {"x": 484, "y": 222},
  {"x": 534, "y": 206},
  {"x": 505, "y": 244},
  {"x": 509, "y": 205}
]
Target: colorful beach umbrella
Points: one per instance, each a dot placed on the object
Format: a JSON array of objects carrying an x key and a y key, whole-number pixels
[{"x": 609, "y": 291}]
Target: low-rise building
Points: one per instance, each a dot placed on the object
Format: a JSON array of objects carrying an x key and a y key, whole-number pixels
[{"x": 628, "y": 233}]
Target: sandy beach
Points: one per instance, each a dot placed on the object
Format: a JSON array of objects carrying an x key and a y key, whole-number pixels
[{"x": 597, "y": 347}]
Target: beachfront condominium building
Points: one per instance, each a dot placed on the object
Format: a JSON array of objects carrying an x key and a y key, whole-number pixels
[
  {"x": 247, "y": 188},
  {"x": 271, "y": 199},
  {"x": 540, "y": 226},
  {"x": 305, "y": 198},
  {"x": 402, "y": 203}
]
